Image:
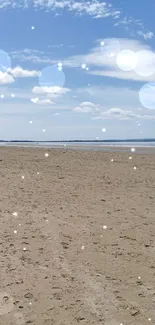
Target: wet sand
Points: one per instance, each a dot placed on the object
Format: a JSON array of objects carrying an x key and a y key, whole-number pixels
[{"x": 80, "y": 248}]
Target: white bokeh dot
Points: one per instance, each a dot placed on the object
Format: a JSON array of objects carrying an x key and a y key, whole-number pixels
[
  {"x": 104, "y": 130},
  {"x": 59, "y": 66},
  {"x": 83, "y": 66}
]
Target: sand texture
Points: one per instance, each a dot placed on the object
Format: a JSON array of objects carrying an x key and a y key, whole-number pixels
[{"x": 80, "y": 248}]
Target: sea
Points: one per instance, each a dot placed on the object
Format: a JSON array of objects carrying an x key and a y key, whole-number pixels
[{"x": 103, "y": 146}]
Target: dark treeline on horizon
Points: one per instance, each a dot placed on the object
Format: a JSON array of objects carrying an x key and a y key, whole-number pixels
[{"x": 81, "y": 141}]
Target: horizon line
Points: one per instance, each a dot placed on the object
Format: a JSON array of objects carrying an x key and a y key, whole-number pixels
[{"x": 95, "y": 140}]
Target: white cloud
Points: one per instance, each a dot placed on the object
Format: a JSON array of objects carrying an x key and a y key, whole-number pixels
[
  {"x": 35, "y": 100},
  {"x": 98, "y": 56},
  {"x": 147, "y": 35},
  {"x": 38, "y": 101},
  {"x": 32, "y": 55},
  {"x": 86, "y": 107},
  {"x": 118, "y": 74},
  {"x": 102, "y": 60},
  {"x": 127, "y": 21},
  {"x": 50, "y": 90},
  {"x": 120, "y": 114},
  {"x": 105, "y": 103},
  {"x": 108, "y": 97},
  {"x": 133, "y": 24},
  {"x": 19, "y": 72},
  {"x": 93, "y": 8},
  {"x": 5, "y": 78}
]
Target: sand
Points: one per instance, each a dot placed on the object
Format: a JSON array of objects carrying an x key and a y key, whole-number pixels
[{"x": 77, "y": 237}]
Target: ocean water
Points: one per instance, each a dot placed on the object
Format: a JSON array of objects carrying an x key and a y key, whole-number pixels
[{"x": 86, "y": 145}]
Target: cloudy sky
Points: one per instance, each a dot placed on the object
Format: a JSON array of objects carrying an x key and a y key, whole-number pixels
[{"x": 77, "y": 69}]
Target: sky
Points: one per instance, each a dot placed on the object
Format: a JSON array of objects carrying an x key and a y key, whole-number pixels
[{"x": 77, "y": 69}]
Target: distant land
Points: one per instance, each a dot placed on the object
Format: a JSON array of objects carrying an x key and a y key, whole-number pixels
[{"x": 81, "y": 141}]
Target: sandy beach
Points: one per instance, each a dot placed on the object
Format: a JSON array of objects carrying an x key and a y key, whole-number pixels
[{"x": 77, "y": 237}]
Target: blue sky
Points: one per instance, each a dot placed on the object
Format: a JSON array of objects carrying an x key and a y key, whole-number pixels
[{"x": 77, "y": 69}]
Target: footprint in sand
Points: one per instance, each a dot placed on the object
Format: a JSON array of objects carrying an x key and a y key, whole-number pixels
[{"x": 6, "y": 303}]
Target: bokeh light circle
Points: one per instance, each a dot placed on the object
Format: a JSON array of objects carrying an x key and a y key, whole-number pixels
[
  {"x": 145, "y": 63},
  {"x": 147, "y": 95},
  {"x": 126, "y": 60},
  {"x": 52, "y": 76}
]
